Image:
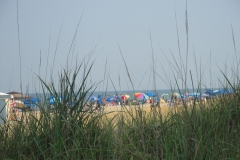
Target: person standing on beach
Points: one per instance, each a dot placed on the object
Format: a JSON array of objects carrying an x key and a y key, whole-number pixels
[
  {"x": 150, "y": 100},
  {"x": 99, "y": 103},
  {"x": 124, "y": 98}
]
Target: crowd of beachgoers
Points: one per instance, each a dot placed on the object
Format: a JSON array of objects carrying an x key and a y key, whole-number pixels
[
  {"x": 172, "y": 99},
  {"x": 99, "y": 102}
]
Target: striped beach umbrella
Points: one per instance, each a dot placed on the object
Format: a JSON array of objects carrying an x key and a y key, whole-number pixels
[{"x": 141, "y": 96}]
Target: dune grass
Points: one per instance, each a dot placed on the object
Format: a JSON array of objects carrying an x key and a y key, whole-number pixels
[{"x": 198, "y": 131}]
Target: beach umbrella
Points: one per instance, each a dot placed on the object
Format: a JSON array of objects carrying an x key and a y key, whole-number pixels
[
  {"x": 205, "y": 95},
  {"x": 175, "y": 94},
  {"x": 141, "y": 96},
  {"x": 31, "y": 102},
  {"x": 224, "y": 91},
  {"x": 52, "y": 100},
  {"x": 216, "y": 91},
  {"x": 195, "y": 94},
  {"x": 230, "y": 91},
  {"x": 209, "y": 91},
  {"x": 125, "y": 96},
  {"x": 150, "y": 94},
  {"x": 112, "y": 98},
  {"x": 93, "y": 98},
  {"x": 165, "y": 95}
]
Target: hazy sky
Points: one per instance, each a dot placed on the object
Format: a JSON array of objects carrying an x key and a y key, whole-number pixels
[{"x": 144, "y": 30}]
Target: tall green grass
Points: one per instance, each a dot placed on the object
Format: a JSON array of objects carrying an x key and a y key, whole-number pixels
[{"x": 199, "y": 131}]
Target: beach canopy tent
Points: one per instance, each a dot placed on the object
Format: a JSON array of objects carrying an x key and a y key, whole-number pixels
[
  {"x": 4, "y": 105},
  {"x": 19, "y": 96}
]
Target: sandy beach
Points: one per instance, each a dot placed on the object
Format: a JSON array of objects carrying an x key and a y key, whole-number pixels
[
  {"x": 111, "y": 111},
  {"x": 145, "y": 107}
]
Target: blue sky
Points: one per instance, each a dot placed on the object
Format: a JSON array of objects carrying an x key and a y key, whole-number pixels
[{"x": 104, "y": 25}]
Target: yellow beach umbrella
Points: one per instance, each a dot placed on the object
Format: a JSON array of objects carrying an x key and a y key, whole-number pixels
[{"x": 126, "y": 96}]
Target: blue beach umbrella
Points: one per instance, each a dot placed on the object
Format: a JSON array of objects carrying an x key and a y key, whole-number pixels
[
  {"x": 223, "y": 91},
  {"x": 52, "y": 100},
  {"x": 195, "y": 94},
  {"x": 31, "y": 102},
  {"x": 112, "y": 98},
  {"x": 93, "y": 98},
  {"x": 209, "y": 91},
  {"x": 230, "y": 91},
  {"x": 150, "y": 94},
  {"x": 216, "y": 92},
  {"x": 206, "y": 95}
]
